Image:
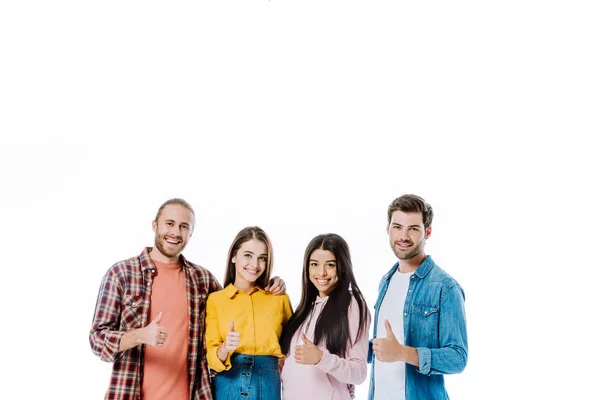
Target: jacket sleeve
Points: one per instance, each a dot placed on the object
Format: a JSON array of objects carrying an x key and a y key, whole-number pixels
[
  {"x": 105, "y": 336},
  {"x": 353, "y": 368},
  {"x": 451, "y": 356}
]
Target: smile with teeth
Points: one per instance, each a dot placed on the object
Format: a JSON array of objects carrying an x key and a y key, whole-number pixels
[
  {"x": 172, "y": 241},
  {"x": 251, "y": 271},
  {"x": 323, "y": 281}
]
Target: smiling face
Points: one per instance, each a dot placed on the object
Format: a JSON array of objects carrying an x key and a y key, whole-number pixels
[
  {"x": 407, "y": 234},
  {"x": 250, "y": 262},
  {"x": 172, "y": 229},
  {"x": 322, "y": 270}
]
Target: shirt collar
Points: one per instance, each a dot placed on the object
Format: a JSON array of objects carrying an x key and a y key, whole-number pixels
[
  {"x": 320, "y": 299},
  {"x": 231, "y": 290},
  {"x": 421, "y": 272}
]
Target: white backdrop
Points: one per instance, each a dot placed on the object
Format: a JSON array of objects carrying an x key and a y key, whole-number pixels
[{"x": 304, "y": 117}]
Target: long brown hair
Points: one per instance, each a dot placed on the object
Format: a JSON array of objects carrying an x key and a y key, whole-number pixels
[{"x": 246, "y": 234}]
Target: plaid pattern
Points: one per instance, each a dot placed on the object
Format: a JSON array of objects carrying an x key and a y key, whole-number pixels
[{"x": 124, "y": 304}]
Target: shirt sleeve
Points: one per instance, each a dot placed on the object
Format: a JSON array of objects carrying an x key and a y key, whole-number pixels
[
  {"x": 353, "y": 368},
  {"x": 214, "y": 338},
  {"x": 451, "y": 356},
  {"x": 105, "y": 336}
]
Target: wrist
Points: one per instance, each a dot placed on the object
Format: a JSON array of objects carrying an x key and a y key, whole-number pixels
[{"x": 320, "y": 356}]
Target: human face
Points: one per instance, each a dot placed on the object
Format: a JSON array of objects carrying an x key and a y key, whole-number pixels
[
  {"x": 172, "y": 230},
  {"x": 407, "y": 234},
  {"x": 322, "y": 269},
  {"x": 250, "y": 262}
]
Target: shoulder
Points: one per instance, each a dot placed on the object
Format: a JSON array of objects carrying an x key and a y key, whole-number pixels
[
  {"x": 444, "y": 280},
  {"x": 219, "y": 295},
  {"x": 354, "y": 308},
  {"x": 124, "y": 268}
]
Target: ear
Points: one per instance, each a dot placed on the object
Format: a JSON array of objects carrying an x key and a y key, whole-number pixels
[
  {"x": 154, "y": 226},
  {"x": 387, "y": 228},
  {"x": 427, "y": 232}
]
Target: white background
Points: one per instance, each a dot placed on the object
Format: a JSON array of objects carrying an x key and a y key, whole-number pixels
[{"x": 304, "y": 117}]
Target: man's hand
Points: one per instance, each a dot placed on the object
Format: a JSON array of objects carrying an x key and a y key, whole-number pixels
[
  {"x": 232, "y": 341},
  {"x": 387, "y": 349},
  {"x": 154, "y": 334},
  {"x": 307, "y": 353},
  {"x": 276, "y": 286}
]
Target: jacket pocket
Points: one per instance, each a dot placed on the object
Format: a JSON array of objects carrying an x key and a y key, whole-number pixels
[
  {"x": 131, "y": 315},
  {"x": 424, "y": 321}
]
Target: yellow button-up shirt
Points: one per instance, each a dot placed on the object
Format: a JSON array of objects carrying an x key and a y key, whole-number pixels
[{"x": 258, "y": 317}]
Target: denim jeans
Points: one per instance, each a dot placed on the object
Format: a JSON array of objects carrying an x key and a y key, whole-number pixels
[{"x": 250, "y": 378}]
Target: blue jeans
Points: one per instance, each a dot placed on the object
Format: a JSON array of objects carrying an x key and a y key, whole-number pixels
[{"x": 250, "y": 378}]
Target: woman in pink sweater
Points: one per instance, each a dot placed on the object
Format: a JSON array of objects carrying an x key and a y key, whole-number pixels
[{"x": 326, "y": 341}]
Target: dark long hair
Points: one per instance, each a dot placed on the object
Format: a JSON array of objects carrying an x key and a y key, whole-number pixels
[
  {"x": 243, "y": 236},
  {"x": 332, "y": 326}
]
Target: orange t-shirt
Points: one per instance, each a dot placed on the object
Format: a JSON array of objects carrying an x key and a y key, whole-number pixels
[{"x": 165, "y": 368}]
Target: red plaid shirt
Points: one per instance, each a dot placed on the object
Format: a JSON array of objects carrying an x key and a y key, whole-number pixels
[{"x": 124, "y": 304}]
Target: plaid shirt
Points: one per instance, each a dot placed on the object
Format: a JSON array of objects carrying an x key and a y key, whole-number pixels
[{"x": 124, "y": 304}]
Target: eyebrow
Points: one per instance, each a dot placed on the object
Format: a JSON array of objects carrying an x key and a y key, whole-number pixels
[
  {"x": 410, "y": 226},
  {"x": 172, "y": 220}
]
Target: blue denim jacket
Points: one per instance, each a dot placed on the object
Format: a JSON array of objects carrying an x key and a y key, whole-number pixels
[{"x": 434, "y": 323}]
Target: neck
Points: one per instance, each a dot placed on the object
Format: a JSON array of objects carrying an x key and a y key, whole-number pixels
[
  {"x": 156, "y": 255},
  {"x": 412, "y": 264}
]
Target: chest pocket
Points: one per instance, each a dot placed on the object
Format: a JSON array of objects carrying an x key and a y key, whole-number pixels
[
  {"x": 425, "y": 320},
  {"x": 131, "y": 316}
]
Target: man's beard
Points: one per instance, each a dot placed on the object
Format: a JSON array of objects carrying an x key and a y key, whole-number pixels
[{"x": 160, "y": 245}]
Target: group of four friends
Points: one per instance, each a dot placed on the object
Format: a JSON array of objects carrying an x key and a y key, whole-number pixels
[{"x": 173, "y": 333}]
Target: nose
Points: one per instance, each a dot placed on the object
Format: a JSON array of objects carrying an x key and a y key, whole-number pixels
[
  {"x": 404, "y": 234},
  {"x": 253, "y": 262},
  {"x": 322, "y": 271}
]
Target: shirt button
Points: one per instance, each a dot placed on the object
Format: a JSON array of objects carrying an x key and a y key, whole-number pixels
[
  {"x": 405, "y": 314},
  {"x": 425, "y": 312},
  {"x": 148, "y": 283}
]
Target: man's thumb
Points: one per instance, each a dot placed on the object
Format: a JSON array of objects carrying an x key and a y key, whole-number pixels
[
  {"x": 231, "y": 328},
  {"x": 388, "y": 329},
  {"x": 158, "y": 317}
]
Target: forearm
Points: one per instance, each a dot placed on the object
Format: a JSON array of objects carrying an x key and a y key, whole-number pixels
[
  {"x": 353, "y": 370},
  {"x": 131, "y": 339},
  {"x": 409, "y": 355},
  {"x": 214, "y": 360},
  {"x": 222, "y": 353}
]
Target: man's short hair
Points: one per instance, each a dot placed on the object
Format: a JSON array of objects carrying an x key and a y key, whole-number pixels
[{"x": 411, "y": 203}]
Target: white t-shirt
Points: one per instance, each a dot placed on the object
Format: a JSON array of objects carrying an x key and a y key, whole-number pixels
[{"x": 390, "y": 377}]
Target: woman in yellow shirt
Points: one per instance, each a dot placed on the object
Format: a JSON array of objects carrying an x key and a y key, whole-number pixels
[{"x": 243, "y": 323}]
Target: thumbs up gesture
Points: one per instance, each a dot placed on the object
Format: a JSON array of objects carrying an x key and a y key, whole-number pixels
[
  {"x": 387, "y": 349},
  {"x": 154, "y": 334},
  {"x": 232, "y": 341},
  {"x": 307, "y": 353}
]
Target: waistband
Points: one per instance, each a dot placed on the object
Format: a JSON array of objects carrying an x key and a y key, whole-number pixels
[{"x": 247, "y": 360}]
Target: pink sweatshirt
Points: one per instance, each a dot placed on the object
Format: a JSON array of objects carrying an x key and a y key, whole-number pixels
[{"x": 329, "y": 379}]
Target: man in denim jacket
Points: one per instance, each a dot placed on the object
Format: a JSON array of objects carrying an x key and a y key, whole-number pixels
[{"x": 419, "y": 314}]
